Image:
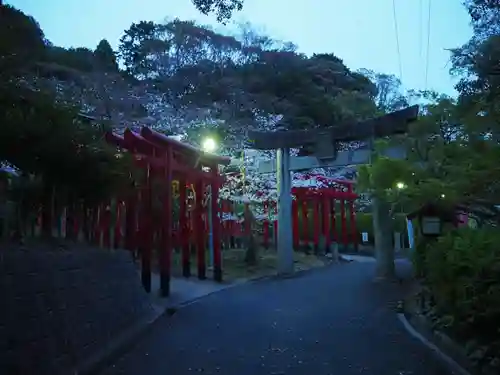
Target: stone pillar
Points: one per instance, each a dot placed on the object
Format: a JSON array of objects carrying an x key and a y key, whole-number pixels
[
  {"x": 384, "y": 250},
  {"x": 285, "y": 240}
]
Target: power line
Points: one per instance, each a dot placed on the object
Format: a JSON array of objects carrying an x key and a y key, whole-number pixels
[
  {"x": 428, "y": 44},
  {"x": 397, "y": 38},
  {"x": 420, "y": 28}
]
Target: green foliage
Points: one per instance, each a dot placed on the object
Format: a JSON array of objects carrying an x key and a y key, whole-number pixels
[
  {"x": 462, "y": 269},
  {"x": 45, "y": 139},
  {"x": 447, "y": 162},
  {"x": 106, "y": 57}
]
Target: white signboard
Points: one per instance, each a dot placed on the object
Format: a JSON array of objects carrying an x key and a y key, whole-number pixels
[{"x": 364, "y": 236}]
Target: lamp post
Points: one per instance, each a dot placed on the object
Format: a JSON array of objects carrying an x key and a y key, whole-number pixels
[{"x": 209, "y": 145}]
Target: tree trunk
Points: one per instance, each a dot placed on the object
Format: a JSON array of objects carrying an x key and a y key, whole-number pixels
[
  {"x": 384, "y": 250},
  {"x": 251, "y": 257}
]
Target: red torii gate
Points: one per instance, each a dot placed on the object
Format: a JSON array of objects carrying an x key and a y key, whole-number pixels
[
  {"x": 168, "y": 159},
  {"x": 324, "y": 199}
]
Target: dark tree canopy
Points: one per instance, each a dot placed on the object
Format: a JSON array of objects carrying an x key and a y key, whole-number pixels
[
  {"x": 106, "y": 57},
  {"x": 21, "y": 40},
  {"x": 224, "y": 9},
  {"x": 40, "y": 135},
  {"x": 244, "y": 75}
]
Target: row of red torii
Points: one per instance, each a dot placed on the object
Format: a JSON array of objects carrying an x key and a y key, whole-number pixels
[{"x": 149, "y": 219}]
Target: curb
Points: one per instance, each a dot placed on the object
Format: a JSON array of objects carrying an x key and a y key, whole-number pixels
[
  {"x": 449, "y": 361},
  {"x": 118, "y": 346}
]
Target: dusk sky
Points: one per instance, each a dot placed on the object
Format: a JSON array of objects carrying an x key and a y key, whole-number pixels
[{"x": 360, "y": 32}]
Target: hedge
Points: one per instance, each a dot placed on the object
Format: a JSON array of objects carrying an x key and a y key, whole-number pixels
[{"x": 461, "y": 271}]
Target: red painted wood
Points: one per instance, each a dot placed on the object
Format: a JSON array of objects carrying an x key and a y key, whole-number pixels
[
  {"x": 265, "y": 225},
  {"x": 184, "y": 228},
  {"x": 216, "y": 226},
  {"x": 316, "y": 221},
  {"x": 275, "y": 223},
  {"x": 354, "y": 229},
  {"x": 305, "y": 221},
  {"x": 166, "y": 249},
  {"x": 295, "y": 223},
  {"x": 145, "y": 233},
  {"x": 199, "y": 230},
  {"x": 343, "y": 222},
  {"x": 163, "y": 141},
  {"x": 334, "y": 220},
  {"x": 325, "y": 210}
]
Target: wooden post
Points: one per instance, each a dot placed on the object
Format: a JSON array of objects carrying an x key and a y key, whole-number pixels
[
  {"x": 354, "y": 230},
  {"x": 145, "y": 241},
  {"x": 275, "y": 223},
  {"x": 215, "y": 227},
  {"x": 295, "y": 223},
  {"x": 343, "y": 223},
  {"x": 333, "y": 203},
  {"x": 265, "y": 225},
  {"x": 166, "y": 249},
  {"x": 316, "y": 222},
  {"x": 199, "y": 226},
  {"x": 184, "y": 229},
  {"x": 325, "y": 210},
  {"x": 305, "y": 221}
]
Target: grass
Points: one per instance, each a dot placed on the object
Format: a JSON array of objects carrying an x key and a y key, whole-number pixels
[{"x": 235, "y": 268}]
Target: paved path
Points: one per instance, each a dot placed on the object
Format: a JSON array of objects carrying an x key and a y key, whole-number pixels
[{"x": 332, "y": 321}]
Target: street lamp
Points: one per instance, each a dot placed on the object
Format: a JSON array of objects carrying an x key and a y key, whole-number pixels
[
  {"x": 209, "y": 145},
  {"x": 401, "y": 185}
]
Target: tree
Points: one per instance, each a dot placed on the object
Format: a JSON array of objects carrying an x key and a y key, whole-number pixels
[
  {"x": 46, "y": 139},
  {"x": 138, "y": 43},
  {"x": 22, "y": 41},
  {"x": 388, "y": 96},
  {"x": 224, "y": 9},
  {"x": 485, "y": 17},
  {"x": 106, "y": 56},
  {"x": 476, "y": 63},
  {"x": 245, "y": 76}
]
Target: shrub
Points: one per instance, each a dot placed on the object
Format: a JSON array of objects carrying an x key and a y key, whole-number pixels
[{"x": 462, "y": 271}]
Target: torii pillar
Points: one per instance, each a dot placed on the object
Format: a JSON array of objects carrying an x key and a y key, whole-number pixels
[{"x": 285, "y": 233}]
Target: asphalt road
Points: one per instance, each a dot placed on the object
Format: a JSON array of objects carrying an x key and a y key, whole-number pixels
[{"x": 334, "y": 321}]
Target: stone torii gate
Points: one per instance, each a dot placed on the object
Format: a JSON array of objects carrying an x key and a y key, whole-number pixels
[{"x": 322, "y": 147}]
